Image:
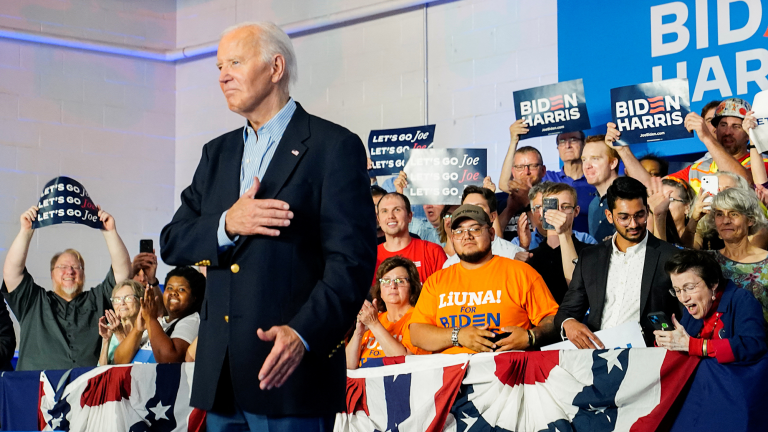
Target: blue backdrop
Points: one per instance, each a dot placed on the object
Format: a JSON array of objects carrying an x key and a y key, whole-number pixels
[{"x": 612, "y": 43}]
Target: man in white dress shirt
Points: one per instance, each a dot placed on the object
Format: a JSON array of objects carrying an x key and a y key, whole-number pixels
[{"x": 622, "y": 279}]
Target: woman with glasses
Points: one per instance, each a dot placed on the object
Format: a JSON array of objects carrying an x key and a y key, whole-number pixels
[
  {"x": 166, "y": 339},
  {"x": 736, "y": 215},
  {"x": 381, "y": 329},
  {"x": 719, "y": 319},
  {"x": 120, "y": 320}
]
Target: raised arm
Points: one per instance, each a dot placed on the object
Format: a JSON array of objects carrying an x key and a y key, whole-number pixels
[
  {"x": 563, "y": 228},
  {"x": 658, "y": 202},
  {"x": 632, "y": 167},
  {"x": 759, "y": 175},
  {"x": 515, "y": 130},
  {"x": 352, "y": 348},
  {"x": 724, "y": 160},
  {"x": 121, "y": 261},
  {"x": 15, "y": 261}
]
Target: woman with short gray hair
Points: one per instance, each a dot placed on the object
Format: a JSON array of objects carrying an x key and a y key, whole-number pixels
[{"x": 736, "y": 214}]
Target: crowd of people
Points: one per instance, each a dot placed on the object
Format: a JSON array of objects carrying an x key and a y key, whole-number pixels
[
  {"x": 611, "y": 251},
  {"x": 495, "y": 273},
  {"x": 289, "y": 249}
]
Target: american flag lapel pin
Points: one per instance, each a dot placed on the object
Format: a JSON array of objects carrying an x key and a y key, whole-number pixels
[{"x": 295, "y": 152}]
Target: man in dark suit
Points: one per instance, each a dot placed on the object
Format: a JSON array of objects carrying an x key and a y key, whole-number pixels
[
  {"x": 280, "y": 212},
  {"x": 622, "y": 279}
]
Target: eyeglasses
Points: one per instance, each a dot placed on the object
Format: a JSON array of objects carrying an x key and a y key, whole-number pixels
[
  {"x": 689, "y": 288},
  {"x": 66, "y": 267},
  {"x": 396, "y": 281},
  {"x": 567, "y": 209},
  {"x": 448, "y": 216},
  {"x": 626, "y": 219},
  {"x": 459, "y": 233},
  {"x": 571, "y": 141},
  {"x": 531, "y": 167},
  {"x": 128, "y": 299},
  {"x": 676, "y": 200}
]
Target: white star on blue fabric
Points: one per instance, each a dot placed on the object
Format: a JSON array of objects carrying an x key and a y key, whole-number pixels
[
  {"x": 600, "y": 410},
  {"x": 56, "y": 422},
  {"x": 612, "y": 356},
  {"x": 468, "y": 420},
  {"x": 160, "y": 411}
]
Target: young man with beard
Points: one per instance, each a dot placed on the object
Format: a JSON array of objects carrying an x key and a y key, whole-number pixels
[
  {"x": 59, "y": 328},
  {"x": 631, "y": 285},
  {"x": 461, "y": 306},
  {"x": 394, "y": 215}
]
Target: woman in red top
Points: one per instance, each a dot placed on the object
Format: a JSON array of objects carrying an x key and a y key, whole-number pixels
[
  {"x": 381, "y": 329},
  {"x": 720, "y": 320}
]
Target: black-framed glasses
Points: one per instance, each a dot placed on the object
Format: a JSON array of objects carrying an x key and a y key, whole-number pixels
[
  {"x": 127, "y": 299},
  {"x": 396, "y": 281},
  {"x": 531, "y": 167}
]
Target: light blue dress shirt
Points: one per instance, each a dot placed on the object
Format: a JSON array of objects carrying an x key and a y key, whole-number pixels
[
  {"x": 259, "y": 149},
  {"x": 537, "y": 239}
]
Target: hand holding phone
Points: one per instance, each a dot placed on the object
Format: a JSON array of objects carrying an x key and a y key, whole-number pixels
[
  {"x": 660, "y": 321},
  {"x": 709, "y": 184},
  {"x": 548, "y": 204},
  {"x": 146, "y": 246}
]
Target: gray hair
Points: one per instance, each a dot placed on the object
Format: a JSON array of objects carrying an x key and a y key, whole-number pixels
[
  {"x": 744, "y": 202},
  {"x": 741, "y": 182},
  {"x": 273, "y": 41},
  {"x": 138, "y": 290}
]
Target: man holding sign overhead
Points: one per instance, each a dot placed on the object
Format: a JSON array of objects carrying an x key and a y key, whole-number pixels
[{"x": 59, "y": 328}]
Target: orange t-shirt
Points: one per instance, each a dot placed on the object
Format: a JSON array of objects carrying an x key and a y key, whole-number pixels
[
  {"x": 370, "y": 348},
  {"x": 427, "y": 256},
  {"x": 501, "y": 293}
]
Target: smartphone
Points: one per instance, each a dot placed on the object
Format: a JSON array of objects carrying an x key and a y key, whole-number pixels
[
  {"x": 548, "y": 204},
  {"x": 146, "y": 246},
  {"x": 709, "y": 184},
  {"x": 498, "y": 337},
  {"x": 660, "y": 321}
]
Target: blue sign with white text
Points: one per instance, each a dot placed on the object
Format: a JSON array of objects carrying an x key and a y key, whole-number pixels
[
  {"x": 721, "y": 46},
  {"x": 552, "y": 109},
  {"x": 651, "y": 111},
  {"x": 387, "y": 148}
]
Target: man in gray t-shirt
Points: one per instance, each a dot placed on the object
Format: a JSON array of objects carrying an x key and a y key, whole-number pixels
[{"x": 59, "y": 328}]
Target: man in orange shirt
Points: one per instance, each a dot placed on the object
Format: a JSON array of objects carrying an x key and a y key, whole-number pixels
[{"x": 460, "y": 305}]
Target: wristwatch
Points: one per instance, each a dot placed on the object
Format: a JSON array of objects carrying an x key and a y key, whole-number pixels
[{"x": 455, "y": 336}]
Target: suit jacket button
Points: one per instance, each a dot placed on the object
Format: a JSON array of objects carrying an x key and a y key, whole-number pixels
[
  {"x": 235, "y": 268},
  {"x": 226, "y": 318}
]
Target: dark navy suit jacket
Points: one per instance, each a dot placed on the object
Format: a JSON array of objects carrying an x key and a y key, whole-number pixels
[
  {"x": 313, "y": 277},
  {"x": 743, "y": 323}
]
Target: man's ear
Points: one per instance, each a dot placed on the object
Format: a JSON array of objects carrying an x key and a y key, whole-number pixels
[
  {"x": 576, "y": 210},
  {"x": 493, "y": 216},
  {"x": 491, "y": 231},
  {"x": 614, "y": 163},
  {"x": 608, "y": 215}
]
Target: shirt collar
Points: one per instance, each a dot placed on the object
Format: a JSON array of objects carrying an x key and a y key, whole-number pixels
[
  {"x": 276, "y": 126},
  {"x": 632, "y": 250}
]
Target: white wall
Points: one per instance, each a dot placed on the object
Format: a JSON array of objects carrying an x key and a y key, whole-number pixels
[
  {"x": 370, "y": 75},
  {"x": 107, "y": 121}
]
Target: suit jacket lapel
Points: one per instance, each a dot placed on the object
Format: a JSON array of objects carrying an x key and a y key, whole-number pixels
[
  {"x": 287, "y": 155},
  {"x": 289, "y": 152},
  {"x": 649, "y": 269},
  {"x": 603, "y": 265},
  {"x": 230, "y": 161}
]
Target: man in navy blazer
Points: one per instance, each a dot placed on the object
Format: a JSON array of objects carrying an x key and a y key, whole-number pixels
[{"x": 280, "y": 212}]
